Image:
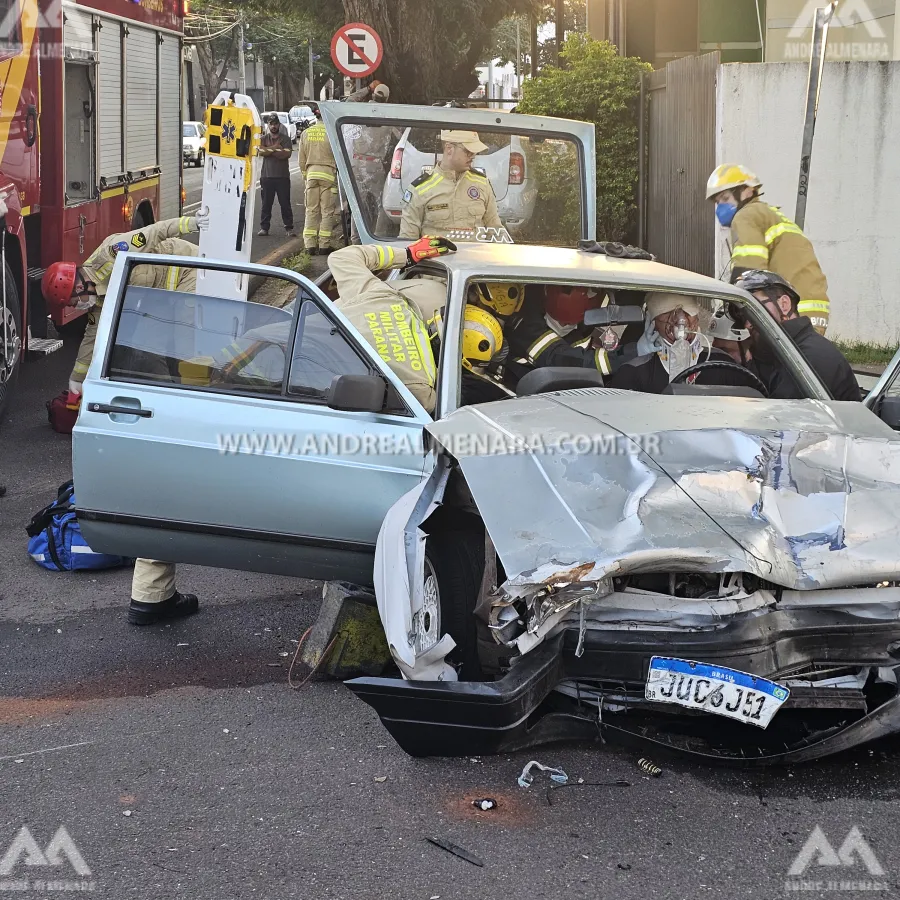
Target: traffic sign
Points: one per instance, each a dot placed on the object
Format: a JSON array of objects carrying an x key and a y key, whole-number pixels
[{"x": 357, "y": 50}]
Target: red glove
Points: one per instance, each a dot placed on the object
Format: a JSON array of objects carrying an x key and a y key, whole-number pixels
[{"x": 428, "y": 248}]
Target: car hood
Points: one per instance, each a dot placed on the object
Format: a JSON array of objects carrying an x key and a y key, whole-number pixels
[{"x": 582, "y": 485}]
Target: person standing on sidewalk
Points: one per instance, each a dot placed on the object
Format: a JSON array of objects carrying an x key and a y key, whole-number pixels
[
  {"x": 320, "y": 174},
  {"x": 275, "y": 180}
]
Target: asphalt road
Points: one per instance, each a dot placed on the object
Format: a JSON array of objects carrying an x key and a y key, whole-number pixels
[{"x": 183, "y": 766}]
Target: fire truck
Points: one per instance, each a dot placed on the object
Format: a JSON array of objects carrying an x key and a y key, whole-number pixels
[{"x": 90, "y": 143}]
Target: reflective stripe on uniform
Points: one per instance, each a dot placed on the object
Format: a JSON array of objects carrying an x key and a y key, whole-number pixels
[
  {"x": 323, "y": 233},
  {"x": 184, "y": 225},
  {"x": 750, "y": 250},
  {"x": 776, "y": 231},
  {"x": 805, "y": 307},
  {"x": 542, "y": 343},
  {"x": 310, "y": 232},
  {"x": 320, "y": 176},
  {"x": 80, "y": 368},
  {"x": 476, "y": 177},
  {"x": 582, "y": 344},
  {"x": 423, "y": 342},
  {"x": 601, "y": 361},
  {"x": 385, "y": 255},
  {"x": 105, "y": 271},
  {"x": 435, "y": 180},
  {"x": 173, "y": 273}
]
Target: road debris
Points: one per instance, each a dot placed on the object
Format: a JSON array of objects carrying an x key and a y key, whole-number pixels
[
  {"x": 485, "y": 803},
  {"x": 456, "y": 850},
  {"x": 649, "y": 767},
  {"x": 526, "y": 778},
  {"x": 126, "y": 813},
  {"x": 552, "y": 788},
  {"x": 381, "y": 779}
]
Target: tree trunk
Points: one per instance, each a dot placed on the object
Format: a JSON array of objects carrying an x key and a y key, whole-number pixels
[{"x": 409, "y": 32}]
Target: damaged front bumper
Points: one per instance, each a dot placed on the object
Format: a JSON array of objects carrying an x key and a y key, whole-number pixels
[{"x": 551, "y": 693}]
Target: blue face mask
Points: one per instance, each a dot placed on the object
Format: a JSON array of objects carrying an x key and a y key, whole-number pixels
[{"x": 725, "y": 213}]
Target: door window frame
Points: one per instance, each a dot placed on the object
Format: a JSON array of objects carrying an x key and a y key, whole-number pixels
[{"x": 401, "y": 403}]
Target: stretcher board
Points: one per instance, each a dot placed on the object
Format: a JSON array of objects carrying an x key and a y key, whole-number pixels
[{"x": 230, "y": 176}]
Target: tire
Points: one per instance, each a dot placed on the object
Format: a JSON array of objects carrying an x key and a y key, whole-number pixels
[
  {"x": 454, "y": 565},
  {"x": 201, "y": 159},
  {"x": 10, "y": 355}
]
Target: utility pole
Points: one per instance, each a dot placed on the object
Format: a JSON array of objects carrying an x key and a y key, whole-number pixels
[
  {"x": 813, "y": 90},
  {"x": 560, "y": 28},
  {"x": 242, "y": 62},
  {"x": 535, "y": 47},
  {"x": 518, "y": 60},
  {"x": 312, "y": 83}
]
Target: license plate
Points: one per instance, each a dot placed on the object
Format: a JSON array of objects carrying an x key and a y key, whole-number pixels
[{"x": 714, "y": 689}]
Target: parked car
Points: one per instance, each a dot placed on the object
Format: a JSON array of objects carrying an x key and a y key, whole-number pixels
[
  {"x": 504, "y": 163},
  {"x": 193, "y": 142},
  {"x": 286, "y": 121},
  {"x": 302, "y": 117},
  {"x": 716, "y": 572}
]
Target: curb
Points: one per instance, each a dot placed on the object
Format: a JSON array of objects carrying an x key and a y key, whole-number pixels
[{"x": 274, "y": 258}]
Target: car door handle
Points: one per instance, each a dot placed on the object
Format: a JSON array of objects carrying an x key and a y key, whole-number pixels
[{"x": 120, "y": 410}]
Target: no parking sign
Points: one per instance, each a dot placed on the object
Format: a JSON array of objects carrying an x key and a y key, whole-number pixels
[{"x": 356, "y": 50}]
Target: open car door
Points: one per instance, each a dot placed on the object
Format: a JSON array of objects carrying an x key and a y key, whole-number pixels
[
  {"x": 884, "y": 398},
  {"x": 540, "y": 171},
  {"x": 212, "y": 431}
]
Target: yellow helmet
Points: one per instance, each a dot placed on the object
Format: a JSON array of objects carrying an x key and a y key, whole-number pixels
[
  {"x": 482, "y": 337},
  {"x": 503, "y": 299},
  {"x": 730, "y": 176}
]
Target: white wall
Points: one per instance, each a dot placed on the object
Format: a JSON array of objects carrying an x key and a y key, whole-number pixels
[{"x": 853, "y": 214}]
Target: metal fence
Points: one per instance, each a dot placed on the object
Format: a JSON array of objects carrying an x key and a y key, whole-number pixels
[{"x": 679, "y": 155}]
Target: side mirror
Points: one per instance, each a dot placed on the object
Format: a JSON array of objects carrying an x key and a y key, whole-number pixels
[
  {"x": 614, "y": 315},
  {"x": 357, "y": 393}
]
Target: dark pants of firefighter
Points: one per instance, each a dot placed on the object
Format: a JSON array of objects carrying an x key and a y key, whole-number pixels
[
  {"x": 321, "y": 214},
  {"x": 270, "y": 189}
]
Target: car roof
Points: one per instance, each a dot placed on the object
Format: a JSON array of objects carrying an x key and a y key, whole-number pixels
[{"x": 534, "y": 263}]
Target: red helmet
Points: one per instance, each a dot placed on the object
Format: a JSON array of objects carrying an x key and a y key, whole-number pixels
[
  {"x": 58, "y": 283},
  {"x": 569, "y": 304}
]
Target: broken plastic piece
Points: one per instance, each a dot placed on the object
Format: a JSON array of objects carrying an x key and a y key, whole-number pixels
[
  {"x": 485, "y": 803},
  {"x": 456, "y": 850},
  {"x": 526, "y": 778}
]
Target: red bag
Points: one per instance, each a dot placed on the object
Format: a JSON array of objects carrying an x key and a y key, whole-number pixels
[{"x": 62, "y": 413}]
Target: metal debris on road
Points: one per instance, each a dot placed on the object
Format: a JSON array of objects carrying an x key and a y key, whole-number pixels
[
  {"x": 526, "y": 778},
  {"x": 485, "y": 804},
  {"x": 456, "y": 850},
  {"x": 650, "y": 767},
  {"x": 381, "y": 779}
]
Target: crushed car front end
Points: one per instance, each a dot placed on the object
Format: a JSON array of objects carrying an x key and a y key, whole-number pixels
[{"x": 726, "y": 589}]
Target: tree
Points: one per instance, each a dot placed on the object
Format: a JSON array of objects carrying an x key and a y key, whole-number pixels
[
  {"x": 431, "y": 49},
  {"x": 602, "y": 87}
]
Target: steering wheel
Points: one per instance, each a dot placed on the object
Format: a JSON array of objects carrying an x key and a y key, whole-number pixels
[{"x": 751, "y": 377}]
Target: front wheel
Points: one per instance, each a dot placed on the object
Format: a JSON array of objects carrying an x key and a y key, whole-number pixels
[
  {"x": 10, "y": 341},
  {"x": 454, "y": 566}
]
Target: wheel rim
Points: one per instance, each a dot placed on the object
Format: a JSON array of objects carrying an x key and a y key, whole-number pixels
[
  {"x": 428, "y": 621},
  {"x": 9, "y": 353}
]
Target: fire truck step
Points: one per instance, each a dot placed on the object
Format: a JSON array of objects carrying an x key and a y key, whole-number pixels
[{"x": 44, "y": 346}]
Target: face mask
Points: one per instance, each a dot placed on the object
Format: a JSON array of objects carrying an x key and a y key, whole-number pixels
[
  {"x": 561, "y": 330},
  {"x": 725, "y": 213}
]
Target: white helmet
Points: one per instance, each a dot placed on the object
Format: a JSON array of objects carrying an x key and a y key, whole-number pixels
[
  {"x": 728, "y": 176},
  {"x": 723, "y": 327}
]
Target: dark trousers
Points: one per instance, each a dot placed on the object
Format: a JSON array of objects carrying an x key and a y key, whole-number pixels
[{"x": 270, "y": 189}]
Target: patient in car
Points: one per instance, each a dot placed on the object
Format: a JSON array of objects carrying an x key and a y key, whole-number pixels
[{"x": 672, "y": 343}]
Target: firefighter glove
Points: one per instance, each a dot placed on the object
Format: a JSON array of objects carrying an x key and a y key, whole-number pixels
[{"x": 428, "y": 248}]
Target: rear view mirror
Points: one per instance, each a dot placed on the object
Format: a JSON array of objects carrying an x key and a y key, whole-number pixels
[
  {"x": 614, "y": 315},
  {"x": 357, "y": 393}
]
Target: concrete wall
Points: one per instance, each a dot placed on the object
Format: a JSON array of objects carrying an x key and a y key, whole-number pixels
[{"x": 854, "y": 196}]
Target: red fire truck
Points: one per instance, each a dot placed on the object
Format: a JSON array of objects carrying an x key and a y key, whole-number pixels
[{"x": 90, "y": 142}]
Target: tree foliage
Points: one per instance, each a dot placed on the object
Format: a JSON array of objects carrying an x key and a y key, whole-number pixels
[{"x": 602, "y": 87}]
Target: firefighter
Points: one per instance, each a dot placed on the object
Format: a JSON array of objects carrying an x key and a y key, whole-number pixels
[
  {"x": 320, "y": 174},
  {"x": 727, "y": 335},
  {"x": 764, "y": 238},
  {"x": 782, "y": 302},
  {"x": 454, "y": 197},
  {"x": 552, "y": 332},
  {"x": 154, "y": 597},
  {"x": 394, "y": 319},
  {"x": 374, "y": 92},
  {"x": 65, "y": 284}
]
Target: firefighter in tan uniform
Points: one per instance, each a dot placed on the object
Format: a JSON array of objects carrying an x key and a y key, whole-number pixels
[
  {"x": 320, "y": 172},
  {"x": 154, "y": 597},
  {"x": 764, "y": 238},
  {"x": 454, "y": 196}
]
